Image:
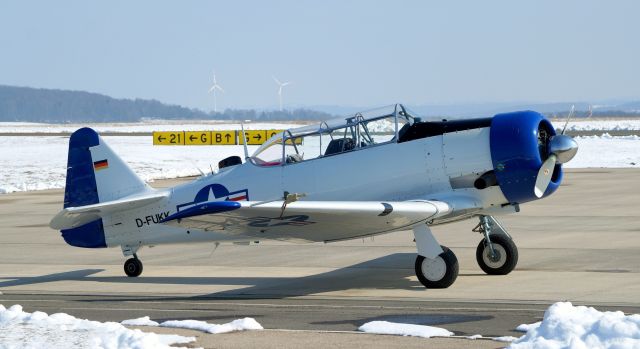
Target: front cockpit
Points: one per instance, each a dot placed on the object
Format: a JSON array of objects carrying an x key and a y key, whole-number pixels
[{"x": 361, "y": 130}]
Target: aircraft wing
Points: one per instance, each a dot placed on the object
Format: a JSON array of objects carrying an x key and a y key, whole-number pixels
[
  {"x": 307, "y": 220},
  {"x": 72, "y": 217}
]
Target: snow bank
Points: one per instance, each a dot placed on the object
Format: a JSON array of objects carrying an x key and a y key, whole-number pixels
[
  {"x": 142, "y": 127},
  {"x": 606, "y": 151},
  {"x": 385, "y": 327},
  {"x": 39, "y": 163},
  {"x": 19, "y": 329},
  {"x": 142, "y": 321},
  {"x": 235, "y": 325},
  {"x": 566, "y": 326},
  {"x": 599, "y": 125},
  {"x": 527, "y": 327},
  {"x": 505, "y": 339}
]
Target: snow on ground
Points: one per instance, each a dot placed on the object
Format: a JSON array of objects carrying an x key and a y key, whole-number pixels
[
  {"x": 385, "y": 327},
  {"x": 568, "y": 326},
  {"x": 235, "y": 325},
  {"x": 599, "y": 125},
  {"x": 139, "y": 127},
  {"x": 39, "y": 162},
  {"x": 606, "y": 151},
  {"x": 527, "y": 327},
  {"x": 505, "y": 339},
  {"x": 142, "y": 321},
  {"x": 199, "y": 125},
  {"x": 20, "y": 329}
]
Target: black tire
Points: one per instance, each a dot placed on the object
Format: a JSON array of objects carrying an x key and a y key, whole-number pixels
[
  {"x": 506, "y": 253},
  {"x": 133, "y": 267},
  {"x": 444, "y": 269}
]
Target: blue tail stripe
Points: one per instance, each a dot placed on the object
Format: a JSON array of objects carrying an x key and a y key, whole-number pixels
[
  {"x": 90, "y": 235},
  {"x": 81, "y": 188}
]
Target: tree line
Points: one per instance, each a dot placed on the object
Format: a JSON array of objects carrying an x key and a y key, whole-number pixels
[{"x": 55, "y": 106}]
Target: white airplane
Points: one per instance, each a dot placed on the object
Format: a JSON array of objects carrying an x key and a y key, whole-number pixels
[{"x": 372, "y": 173}]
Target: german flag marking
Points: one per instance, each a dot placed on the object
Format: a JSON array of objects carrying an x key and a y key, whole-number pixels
[{"x": 100, "y": 165}]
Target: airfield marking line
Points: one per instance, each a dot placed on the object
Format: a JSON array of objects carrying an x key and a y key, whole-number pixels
[
  {"x": 367, "y": 333},
  {"x": 267, "y": 305},
  {"x": 487, "y": 302}
]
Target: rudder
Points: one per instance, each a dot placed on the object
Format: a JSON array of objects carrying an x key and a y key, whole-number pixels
[{"x": 95, "y": 173}]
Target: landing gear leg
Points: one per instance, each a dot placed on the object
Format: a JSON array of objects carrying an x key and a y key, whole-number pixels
[
  {"x": 496, "y": 254},
  {"x": 436, "y": 266}
]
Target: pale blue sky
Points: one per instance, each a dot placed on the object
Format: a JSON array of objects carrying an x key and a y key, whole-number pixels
[{"x": 353, "y": 53}]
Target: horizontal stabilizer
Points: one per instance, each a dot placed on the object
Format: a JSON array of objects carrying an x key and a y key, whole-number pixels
[{"x": 72, "y": 217}]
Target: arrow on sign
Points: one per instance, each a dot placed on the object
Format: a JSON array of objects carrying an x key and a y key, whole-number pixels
[
  {"x": 192, "y": 137},
  {"x": 160, "y": 138},
  {"x": 227, "y": 136},
  {"x": 258, "y": 137}
]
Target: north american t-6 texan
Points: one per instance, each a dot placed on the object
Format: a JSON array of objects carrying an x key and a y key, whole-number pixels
[{"x": 371, "y": 173}]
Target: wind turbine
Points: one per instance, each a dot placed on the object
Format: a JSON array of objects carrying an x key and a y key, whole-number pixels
[
  {"x": 280, "y": 86},
  {"x": 213, "y": 89}
]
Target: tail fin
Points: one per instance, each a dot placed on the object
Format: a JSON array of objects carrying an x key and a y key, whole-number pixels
[{"x": 95, "y": 173}]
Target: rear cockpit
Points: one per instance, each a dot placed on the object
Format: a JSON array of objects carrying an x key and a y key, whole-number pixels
[{"x": 328, "y": 138}]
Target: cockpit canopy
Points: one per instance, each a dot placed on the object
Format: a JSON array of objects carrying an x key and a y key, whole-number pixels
[{"x": 332, "y": 137}]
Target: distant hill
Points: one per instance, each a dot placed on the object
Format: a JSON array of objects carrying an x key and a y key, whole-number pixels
[
  {"x": 45, "y": 105},
  {"x": 474, "y": 110},
  {"x": 61, "y": 106},
  {"x": 54, "y": 106}
]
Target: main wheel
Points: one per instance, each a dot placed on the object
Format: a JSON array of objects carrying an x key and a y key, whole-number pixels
[
  {"x": 133, "y": 267},
  {"x": 505, "y": 258},
  {"x": 439, "y": 272}
]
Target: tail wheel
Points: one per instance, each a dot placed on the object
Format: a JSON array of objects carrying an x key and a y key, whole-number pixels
[
  {"x": 504, "y": 258},
  {"x": 439, "y": 272},
  {"x": 133, "y": 267}
]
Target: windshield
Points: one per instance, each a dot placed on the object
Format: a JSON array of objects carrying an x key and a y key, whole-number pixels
[{"x": 357, "y": 131}]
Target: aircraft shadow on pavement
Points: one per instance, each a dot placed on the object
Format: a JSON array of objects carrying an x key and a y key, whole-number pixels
[
  {"x": 388, "y": 272},
  {"x": 77, "y": 275},
  {"x": 393, "y": 271}
]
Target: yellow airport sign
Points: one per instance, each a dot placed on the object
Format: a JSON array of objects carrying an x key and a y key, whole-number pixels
[
  {"x": 197, "y": 138},
  {"x": 271, "y": 133},
  {"x": 168, "y": 138},
  {"x": 253, "y": 137},
  {"x": 298, "y": 141},
  {"x": 224, "y": 138}
]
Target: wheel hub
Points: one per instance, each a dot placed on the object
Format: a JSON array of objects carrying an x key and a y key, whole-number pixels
[
  {"x": 497, "y": 259},
  {"x": 434, "y": 269}
]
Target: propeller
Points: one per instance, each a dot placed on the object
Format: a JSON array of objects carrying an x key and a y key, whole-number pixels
[
  {"x": 544, "y": 175},
  {"x": 562, "y": 148},
  {"x": 571, "y": 112}
]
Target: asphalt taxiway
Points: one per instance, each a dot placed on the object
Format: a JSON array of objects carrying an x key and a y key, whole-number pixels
[{"x": 582, "y": 245}]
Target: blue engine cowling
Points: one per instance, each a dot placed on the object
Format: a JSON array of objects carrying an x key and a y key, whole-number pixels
[{"x": 519, "y": 143}]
